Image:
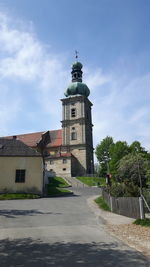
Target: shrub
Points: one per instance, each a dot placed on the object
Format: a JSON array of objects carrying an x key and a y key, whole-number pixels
[
  {"x": 123, "y": 190},
  {"x": 146, "y": 193},
  {"x": 130, "y": 167},
  {"x": 143, "y": 222}
]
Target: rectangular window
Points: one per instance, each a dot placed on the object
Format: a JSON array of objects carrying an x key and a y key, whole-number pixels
[
  {"x": 51, "y": 162},
  {"x": 20, "y": 176},
  {"x": 73, "y": 112},
  {"x": 64, "y": 161}
]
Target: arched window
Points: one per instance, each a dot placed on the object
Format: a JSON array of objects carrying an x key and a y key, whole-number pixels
[{"x": 73, "y": 134}]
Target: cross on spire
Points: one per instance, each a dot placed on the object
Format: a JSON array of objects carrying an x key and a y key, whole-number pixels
[{"x": 76, "y": 53}]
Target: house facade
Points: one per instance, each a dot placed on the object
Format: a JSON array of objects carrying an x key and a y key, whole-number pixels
[{"x": 21, "y": 168}]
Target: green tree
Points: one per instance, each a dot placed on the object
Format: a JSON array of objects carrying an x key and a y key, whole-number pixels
[
  {"x": 97, "y": 169},
  {"x": 130, "y": 167},
  {"x": 117, "y": 152},
  {"x": 102, "y": 154},
  {"x": 136, "y": 147}
]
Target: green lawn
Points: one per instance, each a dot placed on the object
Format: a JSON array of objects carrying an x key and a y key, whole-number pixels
[
  {"x": 92, "y": 181},
  {"x": 8, "y": 196},
  {"x": 57, "y": 191},
  {"x": 57, "y": 187},
  {"x": 102, "y": 204},
  {"x": 58, "y": 182},
  {"x": 144, "y": 222}
]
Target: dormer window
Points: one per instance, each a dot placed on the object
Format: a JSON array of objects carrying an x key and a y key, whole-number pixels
[{"x": 73, "y": 112}]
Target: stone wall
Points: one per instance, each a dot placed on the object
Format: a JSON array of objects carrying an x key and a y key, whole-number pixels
[
  {"x": 59, "y": 166},
  {"x": 78, "y": 161}
]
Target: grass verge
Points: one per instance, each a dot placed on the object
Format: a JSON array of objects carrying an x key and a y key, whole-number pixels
[
  {"x": 102, "y": 204},
  {"x": 58, "y": 182},
  {"x": 8, "y": 196},
  {"x": 144, "y": 222},
  {"x": 91, "y": 181},
  {"x": 52, "y": 191}
]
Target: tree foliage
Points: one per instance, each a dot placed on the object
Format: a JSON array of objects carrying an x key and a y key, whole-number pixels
[
  {"x": 102, "y": 149},
  {"x": 131, "y": 168},
  {"x": 123, "y": 190},
  {"x": 102, "y": 153},
  {"x": 117, "y": 152},
  {"x": 136, "y": 147},
  {"x": 126, "y": 162}
]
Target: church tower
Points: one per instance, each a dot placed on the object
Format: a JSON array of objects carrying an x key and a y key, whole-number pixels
[{"x": 77, "y": 124}]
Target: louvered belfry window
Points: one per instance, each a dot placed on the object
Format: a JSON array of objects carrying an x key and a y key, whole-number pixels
[{"x": 73, "y": 112}]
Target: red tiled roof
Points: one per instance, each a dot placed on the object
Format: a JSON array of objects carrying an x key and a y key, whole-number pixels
[
  {"x": 32, "y": 139},
  {"x": 55, "y": 138}
]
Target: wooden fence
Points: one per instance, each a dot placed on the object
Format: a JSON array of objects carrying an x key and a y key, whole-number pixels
[{"x": 127, "y": 206}]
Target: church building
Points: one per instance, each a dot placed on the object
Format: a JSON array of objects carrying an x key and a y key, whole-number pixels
[{"x": 68, "y": 151}]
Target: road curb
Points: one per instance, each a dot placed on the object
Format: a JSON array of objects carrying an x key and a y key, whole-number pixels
[{"x": 107, "y": 216}]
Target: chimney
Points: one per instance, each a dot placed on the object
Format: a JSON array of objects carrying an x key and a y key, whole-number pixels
[{"x": 14, "y": 137}]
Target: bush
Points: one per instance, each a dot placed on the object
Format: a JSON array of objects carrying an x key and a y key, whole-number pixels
[
  {"x": 129, "y": 168},
  {"x": 123, "y": 190},
  {"x": 146, "y": 193},
  {"x": 143, "y": 222}
]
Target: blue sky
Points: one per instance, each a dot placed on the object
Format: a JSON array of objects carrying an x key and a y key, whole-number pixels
[{"x": 37, "y": 43}]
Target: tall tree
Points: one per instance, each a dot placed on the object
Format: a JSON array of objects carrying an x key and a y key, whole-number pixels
[
  {"x": 102, "y": 153},
  {"x": 117, "y": 152}
]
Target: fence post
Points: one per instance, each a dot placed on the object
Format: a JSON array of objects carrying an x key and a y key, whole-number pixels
[
  {"x": 111, "y": 204},
  {"x": 142, "y": 214}
]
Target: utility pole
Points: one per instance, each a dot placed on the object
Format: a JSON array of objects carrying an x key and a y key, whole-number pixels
[{"x": 141, "y": 202}]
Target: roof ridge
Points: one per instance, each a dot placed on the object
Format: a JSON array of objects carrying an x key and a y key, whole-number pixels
[{"x": 32, "y": 133}]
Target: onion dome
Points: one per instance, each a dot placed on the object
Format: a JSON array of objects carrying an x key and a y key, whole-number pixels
[{"x": 77, "y": 87}]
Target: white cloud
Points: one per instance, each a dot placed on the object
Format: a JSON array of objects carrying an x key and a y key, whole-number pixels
[
  {"x": 8, "y": 109},
  {"x": 123, "y": 112},
  {"x": 26, "y": 63},
  {"x": 96, "y": 79}
]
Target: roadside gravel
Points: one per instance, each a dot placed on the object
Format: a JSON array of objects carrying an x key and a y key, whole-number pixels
[{"x": 135, "y": 236}]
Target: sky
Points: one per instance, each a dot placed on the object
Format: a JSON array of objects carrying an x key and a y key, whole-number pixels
[{"x": 38, "y": 40}]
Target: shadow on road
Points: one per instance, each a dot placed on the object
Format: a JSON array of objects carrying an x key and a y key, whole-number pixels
[
  {"x": 14, "y": 213},
  {"x": 28, "y": 252}
]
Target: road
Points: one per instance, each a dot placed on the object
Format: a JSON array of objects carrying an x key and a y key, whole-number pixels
[{"x": 59, "y": 232}]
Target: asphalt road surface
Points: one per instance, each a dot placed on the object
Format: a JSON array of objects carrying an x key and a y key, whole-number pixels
[{"x": 60, "y": 232}]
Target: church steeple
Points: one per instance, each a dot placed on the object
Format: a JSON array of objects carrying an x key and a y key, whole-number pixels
[
  {"x": 77, "y": 72},
  {"x": 77, "y": 87},
  {"x": 76, "y": 69}
]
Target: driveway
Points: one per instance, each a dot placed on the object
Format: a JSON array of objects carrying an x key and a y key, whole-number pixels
[{"x": 59, "y": 232}]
